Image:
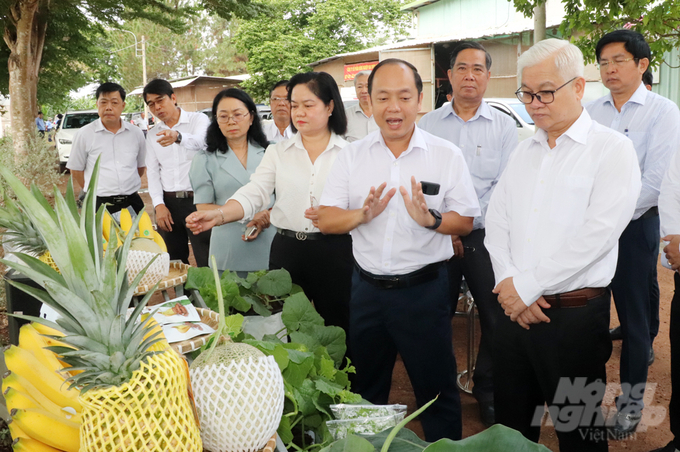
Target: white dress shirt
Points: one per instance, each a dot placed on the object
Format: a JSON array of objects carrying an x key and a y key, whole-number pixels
[
  {"x": 669, "y": 199},
  {"x": 121, "y": 154},
  {"x": 556, "y": 215},
  {"x": 358, "y": 124},
  {"x": 486, "y": 140},
  {"x": 652, "y": 122},
  {"x": 274, "y": 134},
  {"x": 287, "y": 171},
  {"x": 393, "y": 243},
  {"x": 168, "y": 167}
]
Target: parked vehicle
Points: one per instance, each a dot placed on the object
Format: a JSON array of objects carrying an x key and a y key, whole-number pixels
[
  {"x": 70, "y": 124},
  {"x": 517, "y": 111}
]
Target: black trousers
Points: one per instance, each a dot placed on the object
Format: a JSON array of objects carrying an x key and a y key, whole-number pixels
[
  {"x": 414, "y": 322},
  {"x": 323, "y": 268},
  {"x": 552, "y": 363},
  {"x": 633, "y": 287},
  {"x": 674, "y": 407},
  {"x": 178, "y": 239},
  {"x": 116, "y": 203},
  {"x": 475, "y": 266}
]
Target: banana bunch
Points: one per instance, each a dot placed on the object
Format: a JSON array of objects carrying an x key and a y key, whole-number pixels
[
  {"x": 45, "y": 413},
  {"x": 145, "y": 231}
]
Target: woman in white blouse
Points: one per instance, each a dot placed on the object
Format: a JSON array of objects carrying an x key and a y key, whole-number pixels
[{"x": 296, "y": 171}]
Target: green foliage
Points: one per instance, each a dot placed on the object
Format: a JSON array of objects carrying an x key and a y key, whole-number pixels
[
  {"x": 260, "y": 291},
  {"x": 586, "y": 21},
  {"x": 290, "y": 34},
  {"x": 39, "y": 165},
  {"x": 497, "y": 437}
]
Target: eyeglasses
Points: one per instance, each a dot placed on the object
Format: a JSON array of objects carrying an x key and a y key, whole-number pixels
[
  {"x": 604, "y": 64},
  {"x": 544, "y": 97},
  {"x": 273, "y": 100},
  {"x": 237, "y": 117}
]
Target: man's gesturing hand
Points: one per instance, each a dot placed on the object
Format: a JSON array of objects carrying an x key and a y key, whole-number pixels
[
  {"x": 374, "y": 205},
  {"x": 167, "y": 137},
  {"x": 416, "y": 205}
]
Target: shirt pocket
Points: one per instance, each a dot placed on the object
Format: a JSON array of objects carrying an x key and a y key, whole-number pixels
[
  {"x": 571, "y": 199},
  {"x": 486, "y": 163}
]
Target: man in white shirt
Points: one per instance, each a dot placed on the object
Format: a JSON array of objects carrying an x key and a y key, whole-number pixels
[
  {"x": 360, "y": 121},
  {"x": 486, "y": 137},
  {"x": 399, "y": 298},
  {"x": 171, "y": 145},
  {"x": 669, "y": 214},
  {"x": 140, "y": 122},
  {"x": 279, "y": 128},
  {"x": 653, "y": 124},
  {"x": 551, "y": 229},
  {"x": 122, "y": 150}
]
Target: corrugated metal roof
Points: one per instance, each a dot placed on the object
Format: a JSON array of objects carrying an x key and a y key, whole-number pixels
[
  {"x": 480, "y": 34},
  {"x": 186, "y": 81}
]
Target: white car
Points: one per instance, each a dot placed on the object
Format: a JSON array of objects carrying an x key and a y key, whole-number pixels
[
  {"x": 70, "y": 124},
  {"x": 518, "y": 112}
]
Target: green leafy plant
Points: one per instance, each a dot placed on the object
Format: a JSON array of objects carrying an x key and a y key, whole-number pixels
[{"x": 261, "y": 292}]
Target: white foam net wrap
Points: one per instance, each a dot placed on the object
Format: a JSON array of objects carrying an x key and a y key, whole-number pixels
[
  {"x": 239, "y": 404},
  {"x": 137, "y": 260}
]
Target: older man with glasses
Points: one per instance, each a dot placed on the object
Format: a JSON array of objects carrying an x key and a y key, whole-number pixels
[
  {"x": 279, "y": 129},
  {"x": 653, "y": 124},
  {"x": 551, "y": 230}
]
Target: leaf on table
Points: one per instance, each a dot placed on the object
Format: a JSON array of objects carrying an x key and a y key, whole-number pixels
[
  {"x": 405, "y": 441},
  {"x": 305, "y": 395},
  {"x": 276, "y": 283},
  {"x": 234, "y": 324},
  {"x": 257, "y": 305},
  {"x": 197, "y": 278},
  {"x": 299, "y": 313},
  {"x": 351, "y": 443},
  {"x": 284, "y": 430},
  {"x": 496, "y": 437},
  {"x": 327, "y": 387},
  {"x": 304, "y": 339},
  {"x": 280, "y": 355},
  {"x": 331, "y": 337},
  {"x": 296, "y": 373},
  {"x": 326, "y": 368}
]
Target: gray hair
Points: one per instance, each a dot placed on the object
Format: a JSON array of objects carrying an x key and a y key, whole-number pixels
[
  {"x": 568, "y": 58},
  {"x": 360, "y": 74}
]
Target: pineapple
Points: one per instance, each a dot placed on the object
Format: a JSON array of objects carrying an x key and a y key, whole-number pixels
[{"x": 133, "y": 387}]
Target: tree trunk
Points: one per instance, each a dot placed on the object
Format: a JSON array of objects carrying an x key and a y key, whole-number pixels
[{"x": 25, "y": 40}]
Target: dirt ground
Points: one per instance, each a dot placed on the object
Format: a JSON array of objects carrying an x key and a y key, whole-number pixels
[{"x": 654, "y": 430}]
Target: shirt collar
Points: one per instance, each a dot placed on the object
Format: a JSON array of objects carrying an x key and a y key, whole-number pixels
[
  {"x": 483, "y": 110},
  {"x": 638, "y": 97},
  {"x": 99, "y": 126},
  {"x": 417, "y": 141},
  {"x": 296, "y": 140},
  {"x": 578, "y": 131},
  {"x": 183, "y": 119}
]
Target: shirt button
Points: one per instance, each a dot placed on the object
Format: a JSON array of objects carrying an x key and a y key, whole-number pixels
[
  {"x": 396, "y": 164},
  {"x": 391, "y": 214},
  {"x": 389, "y": 239},
  {"x": 305, "y": 229},
  {"x": 528, "y": 240},
  {"x": 542, "y": 181},
  {"x": 535, "y": 210},
  {"x": 385, "y": 265}
]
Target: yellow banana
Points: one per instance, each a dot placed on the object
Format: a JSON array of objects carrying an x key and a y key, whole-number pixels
[
  {"x": 17, "y": 399},
  {"x": 47, "y": 381},
  {"x": 125, "y": 221},
  {"x": 19, "y": 383},
  {"x": 31, "y": 340},
  {"x": 15, "y": 431},
  {"x": 46, "y": 330},
  {"x": 31, "y": 445},
  {"x": 48, "y": 428},
  {"x": 146, "y": 226},
  {"x": 159, "y": 240},
  {"x": 21, "y": 398},
  {"x": 106, "y": 226}
]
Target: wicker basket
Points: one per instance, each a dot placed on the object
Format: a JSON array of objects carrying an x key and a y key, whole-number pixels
[
  {"x": 176, "y": 276},
  {"x": 210, "y": 318}
]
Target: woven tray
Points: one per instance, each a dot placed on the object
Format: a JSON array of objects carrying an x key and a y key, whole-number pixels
[
  {"x": 176, "y": 276},
  {"x": 210, "y": 318},
  {"x": 269, "y": 447}
]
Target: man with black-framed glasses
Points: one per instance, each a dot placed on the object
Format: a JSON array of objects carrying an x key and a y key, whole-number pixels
[
  {"x": 552, "y": 226},
  {"x": 653, "y": 124},
  {"x": 279, "y": 128},
  {"x": 170, "y": 147}
]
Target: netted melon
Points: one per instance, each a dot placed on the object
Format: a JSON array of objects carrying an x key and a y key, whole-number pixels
[{"x": 239, "y": 397}]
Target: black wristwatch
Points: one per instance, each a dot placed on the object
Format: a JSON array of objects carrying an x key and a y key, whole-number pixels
[
  {"x": 437, "y": 219},
  {"x": 179, "y": 138}
]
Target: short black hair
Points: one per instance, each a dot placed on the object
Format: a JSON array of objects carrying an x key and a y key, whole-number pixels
[
  {"x": 633, "y": 42},
  {"x": 324, "y": 87},
  {"x": 158, "y": 87},
  {"x": 464, "y": 45},
  {"x": 277, "y": 84},
  {"x": 215, "y": 139},
  {"x": 648, "y": 78},
  {"x": 109, "y": 87},
  {"x": 416, "y": 76}
]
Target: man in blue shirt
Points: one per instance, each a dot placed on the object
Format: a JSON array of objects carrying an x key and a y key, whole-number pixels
[
  {"x": 653, "y": 124},
  {"x": 40, "y": 123},
  {"x": 486, "y": 137}
]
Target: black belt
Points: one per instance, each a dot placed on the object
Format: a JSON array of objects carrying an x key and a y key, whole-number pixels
[
  {"x": 178, "y": 194},
  {"x": 653, "y": 212},
  {"x": 301, "y": 235},
  {"x": 423, "y": 275},
  {"x": 117, "y": 199}
]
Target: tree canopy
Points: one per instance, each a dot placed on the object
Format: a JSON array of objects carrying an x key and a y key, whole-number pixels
[
  {"x": 586, "y": 21},
  {"x": 289, "y": 34}
]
